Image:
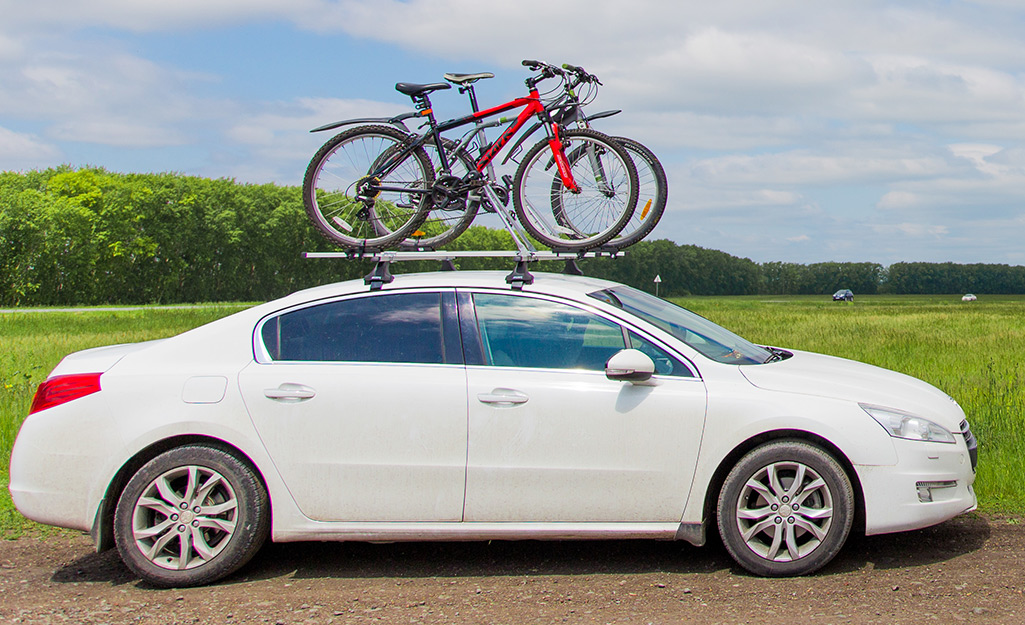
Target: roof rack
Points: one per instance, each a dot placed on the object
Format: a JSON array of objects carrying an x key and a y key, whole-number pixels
[{"x": 381, "y": 274}]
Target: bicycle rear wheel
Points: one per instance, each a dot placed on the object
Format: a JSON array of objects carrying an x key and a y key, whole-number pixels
[
  {"x": 364, "y": 190},
  {"x": 451, "y": 216},
  {"x": 579, "y": 220},
  {"x": 653, "y": 193}
]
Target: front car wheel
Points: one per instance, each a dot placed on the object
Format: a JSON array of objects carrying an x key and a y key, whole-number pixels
[{"x": 785, "y": 509}]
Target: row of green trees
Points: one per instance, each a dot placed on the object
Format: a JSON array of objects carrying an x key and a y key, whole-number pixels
[{"x": 89, "y": 236}]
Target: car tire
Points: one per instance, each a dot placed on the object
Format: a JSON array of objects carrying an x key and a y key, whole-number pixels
[
  {"x": 190, "y": 516},
  {"x": 785, "y": 509}
]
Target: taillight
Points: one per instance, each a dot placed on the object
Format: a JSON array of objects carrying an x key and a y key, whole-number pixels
[{"x": 64, "y": 388}]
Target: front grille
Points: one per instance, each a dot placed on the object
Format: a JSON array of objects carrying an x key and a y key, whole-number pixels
[{"x": 973, "y": 445}]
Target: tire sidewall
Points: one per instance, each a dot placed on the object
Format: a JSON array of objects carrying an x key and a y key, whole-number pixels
[
  {"x": 829, "y": 470},
  {"x": 252, "y": 525}
]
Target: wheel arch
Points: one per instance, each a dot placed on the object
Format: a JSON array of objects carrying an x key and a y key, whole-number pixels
[
  {"x": 102, "y": 530},
  {"x": 731, "y": 459}
]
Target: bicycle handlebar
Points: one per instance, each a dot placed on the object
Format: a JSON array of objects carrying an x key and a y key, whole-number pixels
[
  {"x": 581, "y": 73},
  {"x": 547, "y": 71}
]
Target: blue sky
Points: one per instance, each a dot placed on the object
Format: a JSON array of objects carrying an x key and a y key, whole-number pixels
[{"x": 801, "y": 131}]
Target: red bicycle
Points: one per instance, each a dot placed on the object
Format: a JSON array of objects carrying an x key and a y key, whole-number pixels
[{"x": 374, "y": 186}]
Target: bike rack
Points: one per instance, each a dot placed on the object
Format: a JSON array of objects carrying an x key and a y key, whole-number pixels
[{"x": 520, "y": 275}]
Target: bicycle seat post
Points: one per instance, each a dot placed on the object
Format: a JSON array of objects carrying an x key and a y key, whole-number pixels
[{"x": 468, "y": 89}]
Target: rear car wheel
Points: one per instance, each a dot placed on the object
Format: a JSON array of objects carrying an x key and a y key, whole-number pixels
[
  {"x": 785, "y": 509},
  {"x": 190, "y": 516}
]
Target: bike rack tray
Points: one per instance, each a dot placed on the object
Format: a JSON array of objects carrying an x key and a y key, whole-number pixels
[{"x": 382, "y": 275}]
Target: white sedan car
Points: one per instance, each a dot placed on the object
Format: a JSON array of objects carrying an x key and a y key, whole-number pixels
[{"x": 451, "y": 406}]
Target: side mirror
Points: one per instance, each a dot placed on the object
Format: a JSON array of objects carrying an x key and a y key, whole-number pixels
[{"x": 629, "y": 365}]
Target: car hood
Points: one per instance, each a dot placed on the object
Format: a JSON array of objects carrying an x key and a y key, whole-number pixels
[
  {"x": 807, "y": 373},
  {"x": 98, "y": 359}
]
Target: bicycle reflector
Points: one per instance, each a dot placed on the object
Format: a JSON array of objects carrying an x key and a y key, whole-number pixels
[{"x": 64, "y": 388}]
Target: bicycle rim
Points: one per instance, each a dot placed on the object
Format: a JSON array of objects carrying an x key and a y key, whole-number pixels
[
  {"x": 341, "y": 189},
  {"x": 563, "y": 219}
]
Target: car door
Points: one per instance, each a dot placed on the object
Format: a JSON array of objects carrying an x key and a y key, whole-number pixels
[
  {"x": 361, "y": 403},
  {"x": 551, "y": 439}
]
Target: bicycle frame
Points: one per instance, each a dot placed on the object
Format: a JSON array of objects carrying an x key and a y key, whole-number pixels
[{"x": 531, "y": 107}]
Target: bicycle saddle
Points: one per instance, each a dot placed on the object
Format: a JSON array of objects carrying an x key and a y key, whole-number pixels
[
  {"x": 463, "y": 79},
  {"x": 412, "y": 89}
]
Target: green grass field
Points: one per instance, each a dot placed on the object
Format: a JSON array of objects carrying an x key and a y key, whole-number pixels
[{"x": 973, "y": 351}]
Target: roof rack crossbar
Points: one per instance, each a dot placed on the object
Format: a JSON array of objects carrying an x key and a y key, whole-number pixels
[{"x": 381, "y": 273}]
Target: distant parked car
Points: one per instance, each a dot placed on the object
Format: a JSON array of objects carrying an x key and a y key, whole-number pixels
[
  {"x": 968, "y": 298},
  {"x": 843, "y": 295}
]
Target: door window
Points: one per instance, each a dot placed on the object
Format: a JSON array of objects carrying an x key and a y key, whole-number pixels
[
  {"x": 519, "y": 331},
  {"x": 665, "y": 363},
  {"x": 404, "y": 327}
]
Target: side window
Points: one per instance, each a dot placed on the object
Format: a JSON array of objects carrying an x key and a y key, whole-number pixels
[
  {"x": 665, "y": 364},
  {"x": 519, "y": 331},
  {"x": 405, "y": 327}
]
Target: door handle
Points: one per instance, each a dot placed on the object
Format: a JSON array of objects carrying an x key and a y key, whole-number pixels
[
  {"x": 503, "y": 397},
  {"x": 289, "y": 393}
]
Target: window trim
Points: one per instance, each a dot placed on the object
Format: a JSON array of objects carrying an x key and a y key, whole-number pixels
[{"x": 262, "y": 356}]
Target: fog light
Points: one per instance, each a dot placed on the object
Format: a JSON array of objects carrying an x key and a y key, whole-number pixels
[{"x": 925, "y": 489}]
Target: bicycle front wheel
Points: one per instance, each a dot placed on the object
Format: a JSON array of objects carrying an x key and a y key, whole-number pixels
[
  {"x": 653, "y": 193},
  {"x": 366, "y": 190},
  {"x": 588, "y": 216}
]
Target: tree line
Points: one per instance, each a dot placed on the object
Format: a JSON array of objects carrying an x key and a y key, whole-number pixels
[{"x": 89, "y": 236}]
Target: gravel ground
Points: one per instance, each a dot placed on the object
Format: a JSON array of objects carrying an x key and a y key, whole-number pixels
[{"x": 966, "y": 570}]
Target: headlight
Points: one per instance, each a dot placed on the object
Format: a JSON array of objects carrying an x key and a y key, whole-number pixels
[{"x": 904, "y": 425}]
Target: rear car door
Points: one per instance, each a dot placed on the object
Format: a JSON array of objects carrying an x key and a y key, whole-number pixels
[{"x": 361, "y": 402}]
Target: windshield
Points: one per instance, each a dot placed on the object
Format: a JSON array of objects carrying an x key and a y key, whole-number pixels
[{"x": 711, "y": 340}]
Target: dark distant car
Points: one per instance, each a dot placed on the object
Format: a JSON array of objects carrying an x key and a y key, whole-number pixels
[{"x": 843, "y": 295}]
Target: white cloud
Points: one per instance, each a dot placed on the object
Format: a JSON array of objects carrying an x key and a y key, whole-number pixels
[
  {"x": 899, "y": 199},
  {"x": 20, "y": 151},
  {"x": 913, "y": 230},
  {"x": 147, "y": 15},
  {"x": 808, "y": 168}
]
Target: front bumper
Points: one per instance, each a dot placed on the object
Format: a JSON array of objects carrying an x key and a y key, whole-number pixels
[{"x": 931, "y": 483}]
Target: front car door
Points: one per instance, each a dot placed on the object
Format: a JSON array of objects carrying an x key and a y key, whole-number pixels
[
  {"x": 551, "y": 439},
  {"x": 361, "y": 403}
]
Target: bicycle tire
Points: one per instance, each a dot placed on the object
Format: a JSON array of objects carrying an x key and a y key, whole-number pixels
[
  {"x": 597, "y": 213},
  {"x": 367, "y": 224},
  {"x": 653, "y": 194},
  {"x": 445, "y": 223}
]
